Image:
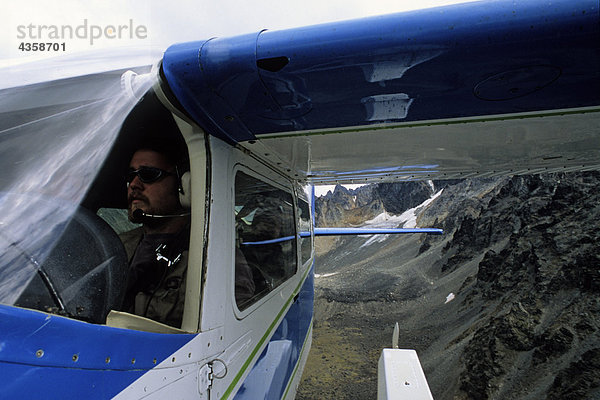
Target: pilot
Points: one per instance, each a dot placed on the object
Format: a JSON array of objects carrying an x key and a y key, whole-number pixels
[{"x": 158, "y": 250}]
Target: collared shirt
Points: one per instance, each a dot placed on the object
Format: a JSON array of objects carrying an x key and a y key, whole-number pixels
[{"x": 156, "y": 278}]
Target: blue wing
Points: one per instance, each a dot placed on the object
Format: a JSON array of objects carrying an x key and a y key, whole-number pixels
[{"x": 476, "y": 89}]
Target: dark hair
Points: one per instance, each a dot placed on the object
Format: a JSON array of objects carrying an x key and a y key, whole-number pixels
[
  {"x": 152, "y": 127},
  {"x": 175, "y": 153}
]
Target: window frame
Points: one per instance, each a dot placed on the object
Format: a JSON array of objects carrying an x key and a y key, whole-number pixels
[
  {"x": 287, "y": 187},
  {"x": 301, "y": 196}
]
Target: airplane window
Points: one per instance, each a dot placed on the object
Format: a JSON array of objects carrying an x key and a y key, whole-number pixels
[
  {"x": 53, "y": 146},
  {"x": 117, "y": 219},
  {"x": 265, "y": 238},
  {"x": 305, "y": 239}
]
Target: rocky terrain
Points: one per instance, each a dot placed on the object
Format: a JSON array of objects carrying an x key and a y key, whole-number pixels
[{"x": 504, "y": 305}]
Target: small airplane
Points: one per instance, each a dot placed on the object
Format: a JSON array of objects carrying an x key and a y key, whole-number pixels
[{"x": 480, "y": 89}]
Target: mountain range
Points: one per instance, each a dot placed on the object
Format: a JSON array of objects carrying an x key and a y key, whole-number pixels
[{"x": 504, "y": 304}]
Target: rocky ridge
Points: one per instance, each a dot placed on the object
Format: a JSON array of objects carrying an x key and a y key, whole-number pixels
[{"x": 521, "y": 258}]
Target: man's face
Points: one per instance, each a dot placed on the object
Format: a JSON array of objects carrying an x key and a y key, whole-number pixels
[{"x": 159, "y": 197}]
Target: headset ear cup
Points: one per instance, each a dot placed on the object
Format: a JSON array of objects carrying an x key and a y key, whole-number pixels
[{"x": 185, "y": 190}]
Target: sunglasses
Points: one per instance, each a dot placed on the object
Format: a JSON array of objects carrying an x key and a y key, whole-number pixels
[{"x": 147, "y": 174}]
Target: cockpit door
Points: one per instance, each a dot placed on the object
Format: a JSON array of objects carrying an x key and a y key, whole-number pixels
[{"x": 252, "y": 278}]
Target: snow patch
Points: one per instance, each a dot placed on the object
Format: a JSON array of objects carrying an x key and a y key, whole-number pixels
[
  {"x": 326, "y": 275},
  {"x": 408, "y": 219},
  {"x": 411, "y": 215},
  {"x": 374, "y": 239},
  {"x": 384, "y": 220},
  {"x": 431, "y": 186}
]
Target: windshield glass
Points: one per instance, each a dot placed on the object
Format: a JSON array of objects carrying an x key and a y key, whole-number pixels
[{"x": 54, "y": 137}]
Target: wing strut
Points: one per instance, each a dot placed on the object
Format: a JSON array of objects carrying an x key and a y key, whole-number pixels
[{"x": 374, "y": 231}]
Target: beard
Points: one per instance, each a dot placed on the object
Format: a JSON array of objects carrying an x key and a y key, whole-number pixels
[
  {"x": 137, "y": 218},
  {"x": 146, "y": 207}
]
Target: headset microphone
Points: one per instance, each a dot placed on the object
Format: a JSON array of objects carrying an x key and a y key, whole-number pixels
[{"x": 139, "y": 215}]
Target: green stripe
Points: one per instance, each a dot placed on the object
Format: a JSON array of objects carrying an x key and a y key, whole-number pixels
[
  {"x": 264, "y": 338},
  {"x": 432, "y": 123}
]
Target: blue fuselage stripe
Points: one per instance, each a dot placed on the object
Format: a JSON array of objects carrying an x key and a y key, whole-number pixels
[{"x": 287, "y": 343}]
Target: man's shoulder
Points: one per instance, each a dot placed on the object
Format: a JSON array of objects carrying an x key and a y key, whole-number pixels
[{"x": 136, "y": 233}]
